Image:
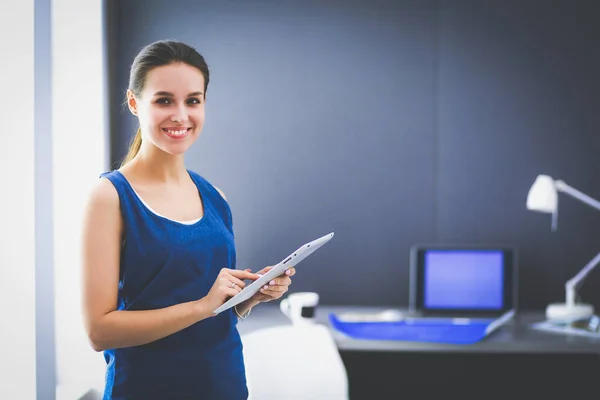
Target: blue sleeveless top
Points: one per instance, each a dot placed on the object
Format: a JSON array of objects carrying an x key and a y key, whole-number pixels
[{"x": 163, "y": 263}]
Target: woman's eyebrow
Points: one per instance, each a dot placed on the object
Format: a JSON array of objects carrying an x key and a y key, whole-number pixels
[{"x": 162, "y": 93}]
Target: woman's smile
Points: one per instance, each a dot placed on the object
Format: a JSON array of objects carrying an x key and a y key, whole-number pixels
[{"x": 177, "y": 133}]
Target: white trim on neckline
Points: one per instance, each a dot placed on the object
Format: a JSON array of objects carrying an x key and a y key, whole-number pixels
[{"x": 190, "y": 222}]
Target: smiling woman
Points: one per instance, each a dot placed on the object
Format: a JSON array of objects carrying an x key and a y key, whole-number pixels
[
  {"x": 155, "y": 69},
  {"x": 158, "y": 249},
  {"x": 169, "y": 114}
]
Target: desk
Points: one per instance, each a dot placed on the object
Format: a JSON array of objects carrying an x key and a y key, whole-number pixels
[{"x": 513, "y": 355}]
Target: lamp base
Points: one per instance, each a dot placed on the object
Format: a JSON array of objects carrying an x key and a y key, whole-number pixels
[{"x": 565, "y": 312}]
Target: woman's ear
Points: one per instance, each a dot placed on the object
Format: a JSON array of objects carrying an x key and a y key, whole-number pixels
[{"x": 132, "y": 102}]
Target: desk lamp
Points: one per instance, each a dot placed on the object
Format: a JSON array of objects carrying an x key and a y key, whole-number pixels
[{"x": 543, "y": 197}]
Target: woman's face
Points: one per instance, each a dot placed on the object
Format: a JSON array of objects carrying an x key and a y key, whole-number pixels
[{"x": 171, "y": 107}]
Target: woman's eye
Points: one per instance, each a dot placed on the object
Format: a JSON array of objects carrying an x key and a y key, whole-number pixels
[{"x": 167, "y": 101}]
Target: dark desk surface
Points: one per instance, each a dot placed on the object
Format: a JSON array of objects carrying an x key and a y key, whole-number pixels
[{"x": 515, "y": 337}]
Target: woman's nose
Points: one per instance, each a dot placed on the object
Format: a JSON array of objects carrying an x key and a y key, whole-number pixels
[{"x": 180, "y": 115}]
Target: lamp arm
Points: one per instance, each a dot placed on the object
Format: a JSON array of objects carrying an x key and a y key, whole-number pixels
[
  {"x": 574, "y": 282},
  {"x": 563, "y": 187}
]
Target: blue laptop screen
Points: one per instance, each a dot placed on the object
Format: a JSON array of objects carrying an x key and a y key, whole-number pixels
[{"x": 463, "y": 279}]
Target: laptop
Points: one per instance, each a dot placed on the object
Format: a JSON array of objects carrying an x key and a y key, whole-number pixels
[
  {"x": 458, "y": 295},
  {"x": 463, "y": 281}
]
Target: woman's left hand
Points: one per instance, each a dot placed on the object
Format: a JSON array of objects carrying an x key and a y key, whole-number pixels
[{"x": 276, "y": 287}]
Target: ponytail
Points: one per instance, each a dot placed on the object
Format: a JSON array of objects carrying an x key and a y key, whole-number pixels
[{"x": 134, "y": 147}]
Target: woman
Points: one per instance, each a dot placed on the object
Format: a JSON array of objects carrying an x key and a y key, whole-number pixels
[{"x": 158, "y": 249}]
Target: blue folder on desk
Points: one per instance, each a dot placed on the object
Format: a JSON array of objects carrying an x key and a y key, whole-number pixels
[{"x": 433, "y": 330}]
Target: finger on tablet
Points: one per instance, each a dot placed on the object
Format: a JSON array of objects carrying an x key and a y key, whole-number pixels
[{"x": 241, "y": 274}]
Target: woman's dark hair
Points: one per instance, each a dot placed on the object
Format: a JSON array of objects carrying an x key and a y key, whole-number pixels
[{"x": 158, "y": 54}]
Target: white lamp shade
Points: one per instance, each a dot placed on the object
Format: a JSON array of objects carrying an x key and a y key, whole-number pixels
[{"x": 542, "y": 195}]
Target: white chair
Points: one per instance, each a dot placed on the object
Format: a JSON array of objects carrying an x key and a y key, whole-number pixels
[{"x": 294, "y": 362}]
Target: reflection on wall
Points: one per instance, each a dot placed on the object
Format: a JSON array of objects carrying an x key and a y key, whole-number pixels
[{"x": 79, "y": 143}]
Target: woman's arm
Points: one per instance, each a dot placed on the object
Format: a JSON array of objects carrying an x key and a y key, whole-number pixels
[
  {"x": 245, "y": 306},
  {"x": 106, "y": 327}
]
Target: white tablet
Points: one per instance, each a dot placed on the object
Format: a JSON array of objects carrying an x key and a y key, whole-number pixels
[{"x": 288, "y": 262}]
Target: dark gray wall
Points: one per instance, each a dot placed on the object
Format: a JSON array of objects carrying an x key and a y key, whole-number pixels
[
  {"x": 390, "y": 123},
  {"x": 518, "y": 96}
]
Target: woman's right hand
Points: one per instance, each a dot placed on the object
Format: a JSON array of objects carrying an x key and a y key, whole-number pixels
[{"x": 229, "y": 282}]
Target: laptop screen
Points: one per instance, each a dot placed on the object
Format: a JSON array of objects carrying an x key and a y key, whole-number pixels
[{"x": 463, "y": 279}]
